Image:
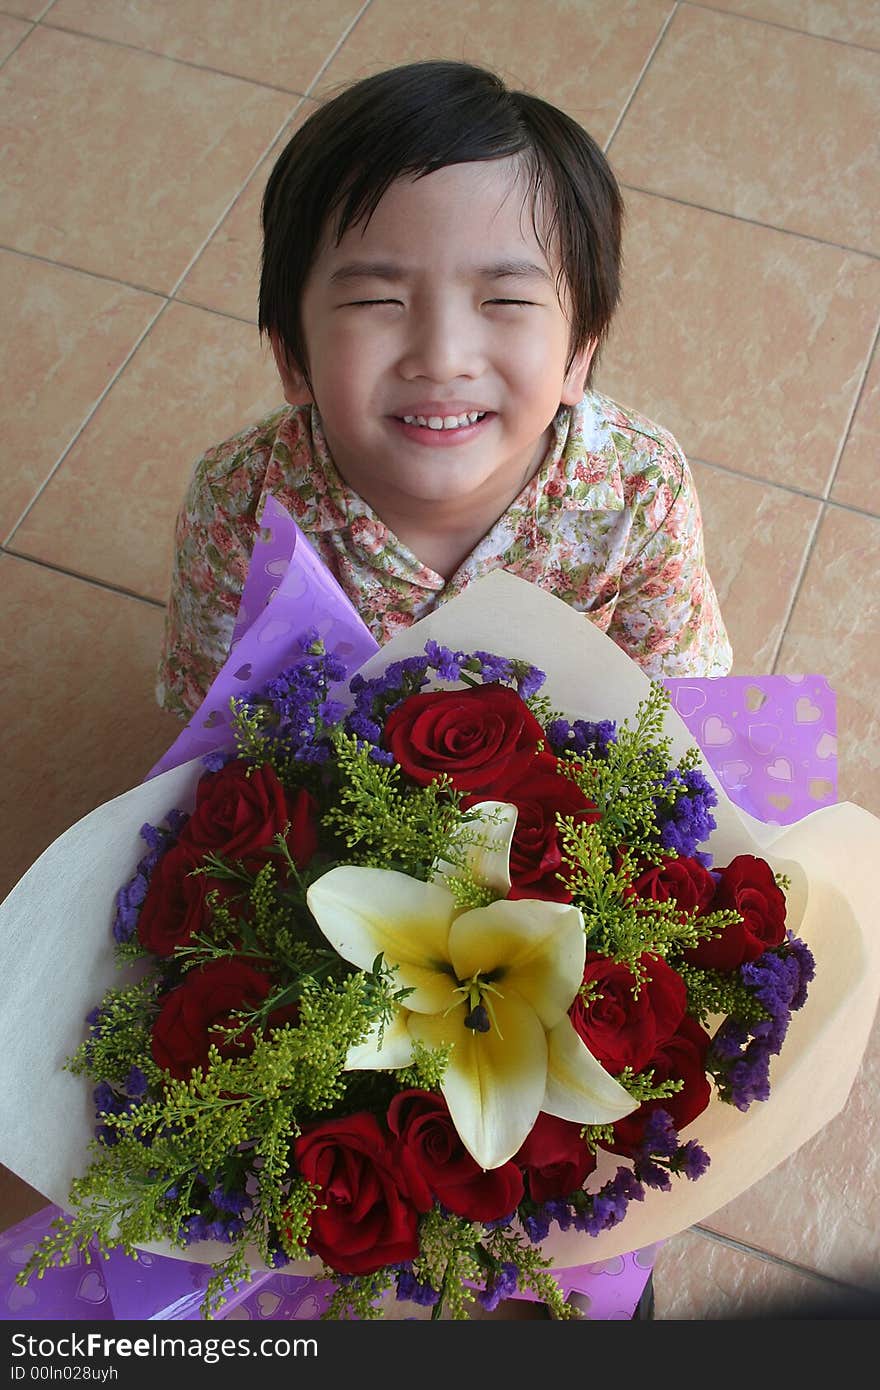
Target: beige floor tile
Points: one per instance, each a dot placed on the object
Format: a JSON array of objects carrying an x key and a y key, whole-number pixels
[
  {"x": 109, "y": 511},
  {"x": 65, "y": 335},
  {"x": 854, "y": 21},
  {"x": 786, "y": 143},
  {"x": 835, "y": 629},
  {"x": 857, "y": 483},
  {"x": 12, "y": 31},
  {"x": 262, "y": 40},
  {"x": 27, "y": 9},
  {"x": 748, "y": 344},
  {"x": 819, "y": 1208},
  {"x": 226, "y": 275},
  {"x": 121, "y": 162},
  {"x": 606, "y": 44},
  {"x": 82, "y": 671},
  {"x": 698, "y": 1279},
  {"x": 756, "y": 540}
]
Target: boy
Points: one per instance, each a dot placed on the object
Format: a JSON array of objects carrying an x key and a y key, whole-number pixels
[{"x": 441, "y": 262}]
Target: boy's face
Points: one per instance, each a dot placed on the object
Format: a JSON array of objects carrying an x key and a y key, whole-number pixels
[{"x": 443, "y": 306}]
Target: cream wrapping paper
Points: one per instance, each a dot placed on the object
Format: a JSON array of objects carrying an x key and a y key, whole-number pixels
[{"x": 57, "y": 954}]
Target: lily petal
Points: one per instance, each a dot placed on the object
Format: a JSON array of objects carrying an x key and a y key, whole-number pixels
[
  {"x": 578, "y": 1087},
  {"x": 364, "y": 911},
  {"x": 393, "y": 1050},
  {"x": 494, "y": 1082},
  {"x": 486, "y": 843},
  {"x": 537, "y": 948}
]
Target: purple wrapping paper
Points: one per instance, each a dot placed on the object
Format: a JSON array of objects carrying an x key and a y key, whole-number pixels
[
  {"x": 287, "y": 592},
  {"x": 771, "y": 740}
]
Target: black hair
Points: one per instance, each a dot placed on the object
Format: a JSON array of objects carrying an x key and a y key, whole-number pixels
[{"x": 409, "y": 121}]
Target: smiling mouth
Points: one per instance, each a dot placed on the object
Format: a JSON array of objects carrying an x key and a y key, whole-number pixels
[{"x": 439, "y": 423}]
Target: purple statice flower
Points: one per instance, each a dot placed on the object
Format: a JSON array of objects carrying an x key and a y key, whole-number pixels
[
  {"x": 692, "y": 1160},
  {"x": 529, "y": 681},
  {"x": 652, "y": 1175},
  {"x": 501, "y": 1285},
  {"x": 216, "y": 760},
  {"x": 583, "y": 738},
  {"x": 410, "y": 1290},
  {"x": 106, "y": 1100},
  {"x": 93, "y": 1019},
  {"x": 688, "y": 822},
  {"x": 381, "y": 756},
  {"x": 278, "y": 1259},
  {"x": 660, "y": 1137},
  {"x": 363, "y": 728},
  {"x": 559, "y": 1211},
  {"x": 447, "y": 664},
  {"x": 136, "y": 1084},
  {"x": 536, "y": 1225},
  {"x": 801, "y": 952},
  {"x": 495, "y": 668},
  {"x": 232, "y": 1202},
  {"x": 153, "y": 836},
  {"x": 626, "y": 1184},
  {"x": 192, "y": 1228}
]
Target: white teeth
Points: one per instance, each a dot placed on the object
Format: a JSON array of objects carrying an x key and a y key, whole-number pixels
[{"x": 444, "y": 422}]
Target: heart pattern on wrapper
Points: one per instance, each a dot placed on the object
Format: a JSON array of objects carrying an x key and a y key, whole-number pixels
[
  {"x": 820, "y": 789},
  {"x": 781, "y": 770},
  {"x": 764, "y": 737},
  {"x": 243, "y": 673},
  {"x": 715, "y": 731},
  {"x": 805, "y": 712},
  {"x": 688, "y": 699},
  {"x": 755, "y": 698},
  {"x": 781, "y": 800},
  {"x": 827, "y": 746}
]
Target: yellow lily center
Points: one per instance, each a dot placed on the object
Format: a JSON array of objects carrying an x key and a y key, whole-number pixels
[{"x": 475, "y": 993}]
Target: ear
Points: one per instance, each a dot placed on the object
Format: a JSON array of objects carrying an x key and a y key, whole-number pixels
[
  {"x": 296, "y": 390},
  {"x": 575, "y": 378}
]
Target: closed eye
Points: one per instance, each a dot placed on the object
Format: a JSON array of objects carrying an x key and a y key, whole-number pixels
[
  {"x": 364, "y": 303},
  {"x": 523, "y": 303}
]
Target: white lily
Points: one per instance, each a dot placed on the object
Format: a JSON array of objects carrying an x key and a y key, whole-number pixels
[{"x": 496, "y": 982}]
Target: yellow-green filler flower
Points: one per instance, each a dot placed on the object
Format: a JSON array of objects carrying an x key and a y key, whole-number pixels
[{"x": 496, "y": 982}]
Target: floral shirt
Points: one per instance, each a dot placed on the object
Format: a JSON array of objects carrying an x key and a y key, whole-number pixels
[{"x": 610, "y": 523}]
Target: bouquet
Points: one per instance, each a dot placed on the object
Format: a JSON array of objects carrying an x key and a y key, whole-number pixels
[{"x": 442, "y": 972}]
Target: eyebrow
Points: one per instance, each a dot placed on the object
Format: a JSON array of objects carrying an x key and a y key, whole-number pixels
[{"x": 386, "y": 270}]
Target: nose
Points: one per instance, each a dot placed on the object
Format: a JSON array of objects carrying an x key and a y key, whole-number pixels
[{"x": 443, "y": 344}]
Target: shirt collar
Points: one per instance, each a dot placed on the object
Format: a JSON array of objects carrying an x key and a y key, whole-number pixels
[{"x": 581, "y": 470}]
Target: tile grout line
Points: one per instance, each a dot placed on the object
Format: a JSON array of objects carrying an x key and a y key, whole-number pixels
[
  {"x": 827, "y": 504},
  {"x": 769, "y": 1258},
  {"x": 17, "y": 45},
  {"x": 340, "y": 42},
  {"x": 788, "y": 488},
  {"x": 167, "y": 58},
  {"x": 83, "y": 578},
  {"x": 638, "y": 82},
  {"x": 87, "y": 417},
  {"x": 750, "y": 221},
  {"x": 845, "y": 433},
  {"x": 231, "y": 204},
  {"x": 777, "y": 24}
]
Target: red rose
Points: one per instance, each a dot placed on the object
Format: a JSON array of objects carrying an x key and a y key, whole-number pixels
[
  {"x": 684, "y": 879},
  {"x": 681, "y": 1058},
  {"x": 619, "y": 1029},
  {"x": 174, "y": 906},
  {"x": 370, "y": 1218},
  {"x": 747, "y": 885},
  {"x": 555, "y": 1158},
  {"x": 483, "y": 738},
  {"x": 535, "y": 854},
  {"x": 192, "y": 1014},
  {"x": 437, "y": 1158},
  {"x": 238, "y": 816}
]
